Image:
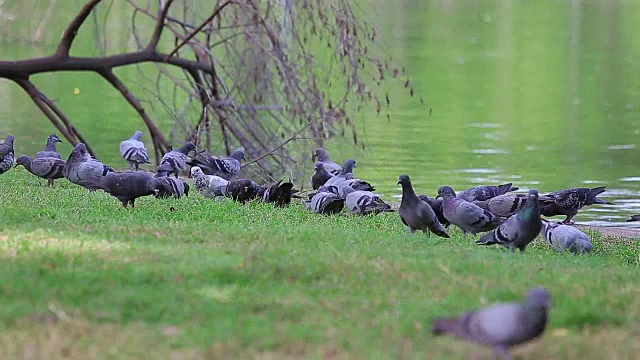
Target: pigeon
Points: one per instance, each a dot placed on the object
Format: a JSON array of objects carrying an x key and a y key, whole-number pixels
[
  {"x": 133, "y": 151},
  {"x": 507, "y": 204},
  {"x": 279, "y": 193},
  {"x": 47, "y": 167},
  {"x": 83, "y": 170},
  {"x": 436, "y": 205},
  {"x": 502, "y": 325},
  {"x": 343, "y": 188},
  {"x": 467, "y": 216},
  {"x": 321, "y": 155},
  {"x": 567, "y": 202},
  {"x": 325, "y": 203},
  {"x": 207, "y": 185},
  {"x": 633, "y": 218},
  {"x": 176, "y": 160},
  {"x": 486, "y": 192},
  {"x": 241, "y": 190},
  {"x": 129, "y": 186},
  {"x": 320, "y": 176},
  {"x": 417, "y": 214},
  {"x": 170, "y": 186},
  {"x": 519, "y": 230},
  {"x": 50, "y": 148},
  {"x": 566, "y": 237},
  {"x": 345, "y": 174},
  {"x": 225, "y": 168},
  {"x": 365, "y": 202},
  {"x": 7, "y": 156}
]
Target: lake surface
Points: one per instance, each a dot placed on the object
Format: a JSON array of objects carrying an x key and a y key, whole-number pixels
[{"x": 544, "y": 94}]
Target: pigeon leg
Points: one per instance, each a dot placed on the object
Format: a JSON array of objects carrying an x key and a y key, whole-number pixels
[
  {"x": 132, "y": 201},
  {"x": 124, "y": 203},
  {"x": 50, "y": 182},
  {"x": 426, "y": 232},
  {"x": 568, "y": 221},
  {"x": 136, "y": 165},
  {"x": 412, "y": 230},
  {"x": 501, "y": 351}
]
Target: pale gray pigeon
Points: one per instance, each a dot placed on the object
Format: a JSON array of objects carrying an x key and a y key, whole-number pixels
[
  {"x": 519, "y": 230},
  {"x": 501, "y": 326},
  {"x": 7, "y": 156},
  {"x": 566, "y": 237},
  {"x": 365, "y": 202},
  {"x": 345, "y": 174},
  {"x": 325, "y": 203},
  {"x": 50, "y": 150},
  {"x": 567, "y": 202},
  {"x": 226, "y": 168},
  {"x": 467, "y": 216},
  {"x": 170, "y": 186},
  {"x": 485, "y": 192},
  {"x": 417, "y": 214},
  {"x": 83, "y": 170},
  {"x": 47, "y": 167},
  {"x": 129, "y": 186},
  {"x": 134, "y": 151},
  {"x": 321, "y": 155},
  {"x": 207, "y": 185},
  {"x": 320, "y": 176},
  {"x": 175, "y": 160}
]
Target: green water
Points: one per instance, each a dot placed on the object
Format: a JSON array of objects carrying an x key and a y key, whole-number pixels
[{"x": 544, "y": 94}]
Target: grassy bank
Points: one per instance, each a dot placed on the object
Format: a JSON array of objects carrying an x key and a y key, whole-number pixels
[{"x": 81, "y": 277}]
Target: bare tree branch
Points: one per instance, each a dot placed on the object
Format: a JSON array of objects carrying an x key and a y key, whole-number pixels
[
  {"x": 70, "y": 33},
  {"x": 157, "y": 32}
]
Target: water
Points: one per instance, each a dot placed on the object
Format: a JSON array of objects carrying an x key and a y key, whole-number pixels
[{"x": 544, "y": 94}]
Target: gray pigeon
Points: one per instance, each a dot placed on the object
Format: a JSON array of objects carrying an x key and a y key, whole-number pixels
[
  {"x": 504, "y": 205},
  {"x": 467, "y": 216},
  {"x": 170, "y": 186},
  {"x": 436, "y": 205},
  {"x": 365, "y": 202},
  {"x": 502, "y": 325},
  {"x": 320, "y": 176},
  {"x": 127, "y": 187},
  {"x": 345, "y": 174},
  {"x": 207, "y": 185},
  {"x": 226, "y": 168},
  {"x": 325, "y": 203},
  {"x": 47, "y": 168},
  {"x": 520, "y": 229},
  {"x": 417, "y": 214},
  {"x": 566, "y": 237},
  {"x": 633, "y": 218},
  {"x": 321, "y": 155},
  {"x": 83, "y": 170},
  {"x": 485, "y": 192},
  {"x": 133, "y": 151},
  {"x": 50, "y": 148},
  {"x": 175, "y": 160},
  {"x": 567, "y": 202},
  {"x": 7, "y": 156}
]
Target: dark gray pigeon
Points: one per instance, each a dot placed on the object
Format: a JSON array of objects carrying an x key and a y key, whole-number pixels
[
  {"x": 345, "y": 174},
  {"x": 240, "y": 190},
  {"x": 7, "y": 156},
  {"x": 417, "y": 214},
  {"x": 485, "y": 192},
  {"x": 436, "y": 205},
  {"x": 467, "y": 216},
  {"x": 566, "y": 237},
  {"x": 633, "y": 218},
  {"x": 325, "y": 203},
  {"x": 83, "y": 170},
  {"x": 175, "y": 160},
  {"x": 207, "y": 185},
  {"x": 129, "y": 186},
  {"x": 501, "y": 326},
  {"x": 520, "y": 229},
  {"x": 170, "y": 186},
  {"x": 365, "y": 202},
  {"x": 134, "y": 151},
  {"x": 279, "y": 194},
  {"x": 46, "y": 168},
  {"x": 50, "y": 150},
  {"x": 567, "y": 202},
  {"x": 320, "y": 176},
  {"x": 321, "y": 155},
  {"x": 225, "y": 168}
]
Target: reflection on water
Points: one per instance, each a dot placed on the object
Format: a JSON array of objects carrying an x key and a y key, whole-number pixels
[{"x": 541, "y": 94}]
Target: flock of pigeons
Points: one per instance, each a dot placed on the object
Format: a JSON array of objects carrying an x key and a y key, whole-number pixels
[{"x": 512, "y": 220}]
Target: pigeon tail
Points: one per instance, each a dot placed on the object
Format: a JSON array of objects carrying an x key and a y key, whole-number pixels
[
  {"x": 446, "y": 326},
  {"x": 487, "y": 239},
  {"x": 505, "y": 188},
  {"x": 592, "y": 199}
]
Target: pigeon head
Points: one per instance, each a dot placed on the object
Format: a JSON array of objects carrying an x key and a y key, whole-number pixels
[
  {"x": 446, "y": 192},
  {"x": 238, "y": 154},
  {"x": 539, "y": 296},
  {"x": 319, "y": 166},
  {"x": 319, "y": 154},
  {"x": 9, "y": 140},
  {"x": 196, "y": 172},
  {"x": 348, "y": 166},
  {"x": 154, "y": 185},
  {"x": 187, "y": 148},
  {"x": 404, "y": 180},
  {"x": 533, "y": 195},
  {"x": 137, "y": 135},
  {"x": 23, "y": 160},
  {"x": 53, "y": 138},
  {"x": 79, "y": 152}
]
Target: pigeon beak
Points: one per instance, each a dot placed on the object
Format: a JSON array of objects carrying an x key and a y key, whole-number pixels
[
  {"x": 438, "y": 196},
  {"x": 398, "y": 183}
]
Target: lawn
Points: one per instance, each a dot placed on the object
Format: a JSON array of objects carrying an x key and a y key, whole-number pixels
[{"x": 194, "y": 278}]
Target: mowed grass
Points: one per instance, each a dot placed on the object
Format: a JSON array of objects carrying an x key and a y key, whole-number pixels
[{"x": 83, "y": 278}]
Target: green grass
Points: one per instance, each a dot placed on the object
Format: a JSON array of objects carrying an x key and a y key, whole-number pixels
[{"x": 81, "y": 277}]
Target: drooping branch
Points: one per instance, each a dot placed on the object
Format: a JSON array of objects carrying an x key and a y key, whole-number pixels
[
  {"x": 72, "y": 30},
  {"x": 157, "y": 32}
]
